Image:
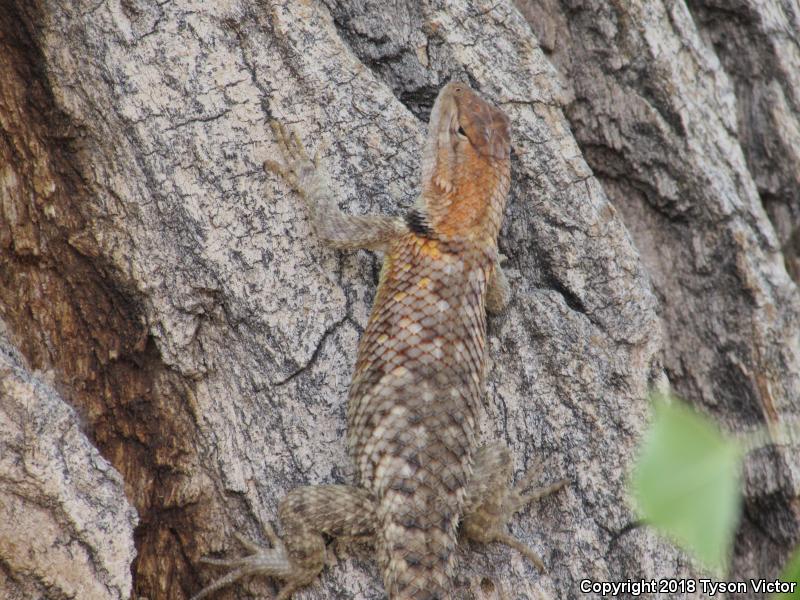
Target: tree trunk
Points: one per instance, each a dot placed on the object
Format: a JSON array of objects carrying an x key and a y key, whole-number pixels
[{"x": 183, "y": 344}]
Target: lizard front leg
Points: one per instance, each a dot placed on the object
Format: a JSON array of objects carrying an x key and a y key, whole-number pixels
[
  {"x": 498, "y": 292},
  {"x": 333, "y": 227},
  {"x": 306, "y": 514},
  {"x": 491, "y": 501}
]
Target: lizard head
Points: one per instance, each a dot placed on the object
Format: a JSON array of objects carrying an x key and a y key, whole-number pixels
[{"x": 466, "y": 166}]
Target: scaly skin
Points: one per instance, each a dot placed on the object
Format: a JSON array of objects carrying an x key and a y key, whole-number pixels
[{"x": 420, "y": 373}]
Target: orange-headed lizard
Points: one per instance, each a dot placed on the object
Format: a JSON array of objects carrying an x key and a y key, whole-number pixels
[{"x": 419, "y": 378}]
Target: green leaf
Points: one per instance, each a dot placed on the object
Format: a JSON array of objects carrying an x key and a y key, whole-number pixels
[
  {"x": 791, "y": 572},
  {"x": 686, "y": 482}
]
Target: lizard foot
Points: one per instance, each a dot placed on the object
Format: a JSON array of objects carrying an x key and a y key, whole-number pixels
[
  {"x": 516, "y": 500},
  {"x": 271, "y": 562},
  {"x": 298, "y": 167},
  {"x": 492, "y": 502}
]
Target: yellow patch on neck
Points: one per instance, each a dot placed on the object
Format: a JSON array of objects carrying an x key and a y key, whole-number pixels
[{"x": 429, "y": 248}]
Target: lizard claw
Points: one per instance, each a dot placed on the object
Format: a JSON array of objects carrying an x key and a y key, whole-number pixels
[
  {"x": 298, "y": 166},
  {"x": 509, "y": 540},
  {"x": 516, "y": 501},
  {"x": 540, "y": 492},
  {"x": 275, "y": 167},
  {"x": 519, "y": 500},
  {"x": 488, "y": 518},
  {"x": 272, "y": 562}
]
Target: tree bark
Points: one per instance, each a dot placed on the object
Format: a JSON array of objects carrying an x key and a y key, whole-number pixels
[{"x": 183, "y": 344}]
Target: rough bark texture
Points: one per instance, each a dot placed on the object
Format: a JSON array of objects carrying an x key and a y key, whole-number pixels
[
  {"x": 179, "y": 302},
  {"x": 66, "y": 528},
  {"x": 689, "y": 116}
]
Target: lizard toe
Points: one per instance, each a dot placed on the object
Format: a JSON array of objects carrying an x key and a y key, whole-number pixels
[{"x": 270, "y": 562}]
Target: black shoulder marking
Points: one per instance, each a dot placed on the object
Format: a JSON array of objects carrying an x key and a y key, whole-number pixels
[{"x": 417, "y": 223}]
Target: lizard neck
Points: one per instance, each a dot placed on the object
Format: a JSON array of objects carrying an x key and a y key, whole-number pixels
[{"x": 472, "y": 209}]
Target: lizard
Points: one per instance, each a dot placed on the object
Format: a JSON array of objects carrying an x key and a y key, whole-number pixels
[{"x": 419, "y": 380}]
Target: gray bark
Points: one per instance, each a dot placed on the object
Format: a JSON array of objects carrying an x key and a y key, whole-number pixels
[
  {"x": 178, "y": 297},
  {"x": 689, "y": 117},
  {"x": 66, "y": 527}
]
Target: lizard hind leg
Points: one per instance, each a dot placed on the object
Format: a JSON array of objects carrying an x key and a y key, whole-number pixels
[
  {"x": 306, "y": 514},
  {"x": 492, "y": 502}
]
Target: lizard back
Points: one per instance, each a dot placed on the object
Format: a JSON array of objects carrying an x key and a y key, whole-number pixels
[
  {"x": 420, "y": 373},
  {"x": 414, "y": 405}
]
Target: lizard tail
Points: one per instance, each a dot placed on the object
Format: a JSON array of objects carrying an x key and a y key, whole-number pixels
[{"x": 419, "y": 507}]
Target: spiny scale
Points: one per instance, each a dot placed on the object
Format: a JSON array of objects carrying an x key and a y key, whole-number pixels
[{"x": 414, "y": 405}]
